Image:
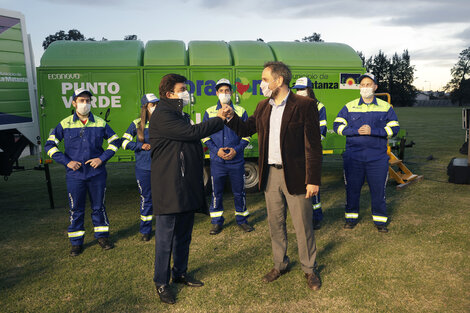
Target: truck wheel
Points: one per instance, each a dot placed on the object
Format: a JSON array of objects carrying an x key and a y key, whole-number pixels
[
  {"x": 207, "y": 179},
  {"x": 251, "y": 177}
]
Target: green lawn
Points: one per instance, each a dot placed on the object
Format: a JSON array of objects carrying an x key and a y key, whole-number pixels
[{"x": 421, "y": 265}]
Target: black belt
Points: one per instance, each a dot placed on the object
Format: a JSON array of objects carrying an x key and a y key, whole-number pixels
[{"x": 277, "y": 166}]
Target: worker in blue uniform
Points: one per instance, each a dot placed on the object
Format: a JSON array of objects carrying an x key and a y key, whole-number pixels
[
  {"x": 84, "y": 159},
  {"x": 227, "y": 160},
  {"x": 141, "y": 147},
  {"x": 304, "y": 87},
  {"x": 367, "y": 123}
]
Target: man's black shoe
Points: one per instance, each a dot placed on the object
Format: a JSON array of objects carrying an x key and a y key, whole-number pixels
[
  {"x": 105, "y": 243},
  {"x": 145, "y": 237},
  {"x": 349, "y": 225},
  {"x": 246, "y": 227},
  {"x": 188, "y": 281},
  {"x": 316, "y": 225},
  {"x": 216, "y": 228},
  {"x": 382, "y": 229},
  {"x": 76, "y": 250},
  {"x": 165, "y": 294}
]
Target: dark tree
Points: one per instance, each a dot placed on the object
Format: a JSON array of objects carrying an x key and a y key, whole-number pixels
[
  {"x": 260, "y": 39},
  {"x": 363, "y": 57},
  {"x": 73, "y": 35},
  {"x": 459, "y": 85},
  {"x": 130, "y": 37},
  {"x": 380, "y": 67},
  {"x": 315, "y": 37},
  {"x": 394, "y": 76}
]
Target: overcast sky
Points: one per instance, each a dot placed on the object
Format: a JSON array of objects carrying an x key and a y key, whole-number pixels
[{"x": 434, "y": 32}]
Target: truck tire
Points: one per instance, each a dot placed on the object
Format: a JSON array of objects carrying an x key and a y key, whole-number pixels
[{"x": 251, "y": 176}]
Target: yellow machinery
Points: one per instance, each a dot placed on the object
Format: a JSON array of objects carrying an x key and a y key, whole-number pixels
[{"x": 396, "y": 169}]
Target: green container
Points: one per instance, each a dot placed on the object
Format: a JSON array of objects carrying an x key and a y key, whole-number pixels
[{"x": 120, "y": 72}]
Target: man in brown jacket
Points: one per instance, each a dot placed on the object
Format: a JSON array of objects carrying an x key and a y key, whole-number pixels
[{"x": 289, "y": 165}]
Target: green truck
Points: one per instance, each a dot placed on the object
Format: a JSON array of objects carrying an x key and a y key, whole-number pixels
[
  {"x": 119, "y": 72},
  {"x": 19, "y": 123}
]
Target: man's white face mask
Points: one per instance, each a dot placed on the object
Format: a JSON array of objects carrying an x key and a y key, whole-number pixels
[
  {"x": 265, "y": 89},
  {"x": 184, "y": 96},
  {"x": 367, "y": 92},
  {"x": 83, "y": 108},
  {"x": 224, "y": 98}
]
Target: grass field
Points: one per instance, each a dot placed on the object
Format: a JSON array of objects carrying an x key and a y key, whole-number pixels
[{"x": 421, "y": 265}]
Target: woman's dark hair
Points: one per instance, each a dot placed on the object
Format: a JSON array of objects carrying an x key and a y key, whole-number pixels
[
  {"x": 144, "y": 117},
  {"x": 168, "y": 82},
  {"x": 311, "y": 94}
]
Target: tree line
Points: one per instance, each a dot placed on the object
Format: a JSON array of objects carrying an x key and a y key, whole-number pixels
[{"x": 394, "y": 75}]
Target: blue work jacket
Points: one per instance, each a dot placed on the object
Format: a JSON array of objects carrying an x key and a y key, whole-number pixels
[
  {"x": 381, "y": 118},
  {"x": 226, "y": 137},
  {"x": 82, "y": 142},
  {"x": 143, "y": 158}
]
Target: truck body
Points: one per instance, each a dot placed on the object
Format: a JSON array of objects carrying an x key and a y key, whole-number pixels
[
  {"x": 19, "y": 123},
  {"x": 118, "y": 73}
]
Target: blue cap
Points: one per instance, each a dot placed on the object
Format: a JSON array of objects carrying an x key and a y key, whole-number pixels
[
  {"x": 79, "y": 91},
  {"x": 302, "y": 83},
  {"x": 149, "y": 97},
  {"x": 368, "y": 75}
]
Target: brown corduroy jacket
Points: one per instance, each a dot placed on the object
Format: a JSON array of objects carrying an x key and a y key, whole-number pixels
[{"x": 301, "y": 148}]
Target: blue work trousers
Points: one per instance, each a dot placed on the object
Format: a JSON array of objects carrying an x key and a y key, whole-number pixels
[
  {"x": 77, "y": 190},
  {"x": 236, "y": 173},
  {"x": 316, "y": 205},
  {"x": 172, "y": 237},
  {"x": 376, "y": 173},
  {"x": 146, "y": 208}
]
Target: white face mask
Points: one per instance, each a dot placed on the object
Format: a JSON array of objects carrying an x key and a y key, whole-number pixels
[
  {"x": 83, "y": 108},
  {"x": 184, "y": 96},
  {"x": 367, "y": 92},
  {"x": 265, "y": 89},
  {"x": 224, "y": 98},
  {"x": 303, "y": 93},
  {"x": 151, "y": 109}
]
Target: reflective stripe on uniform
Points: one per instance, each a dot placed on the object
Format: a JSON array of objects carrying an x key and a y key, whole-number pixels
[
  {"x": 245, "y": 213},
  {"x": 101, "y": 229},
  {"x": 323, "y": 123},
  {"x": 51, "y": 151},
  {"x": 317, "y": 206},
  {"x": 125, "y": 143},
  {"x": 351, "y": 215},
  {"x": 382, "y": 219},
  {"x": 76, "y": 234},
  {"x": 112, "y": 138},
  {"x": 206, "y": 139},
  {"x": 53, "y": 138},
  {"x": 128, "y": 136},
  {"x": 393, "y": 123},
  {"x": 217, "y": 214},
  {"x": 246, "y": 138},
  {"x": 146, "y": 218},
  {"x": 341, "y": 120},
  {"x": 112, "y": 147},
  {"x": 389, "y": 131},
  {"x": 340, "y": 129}
]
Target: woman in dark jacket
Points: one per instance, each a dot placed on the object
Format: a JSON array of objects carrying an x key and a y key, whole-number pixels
[
  {"x": 177, "y": 181},
  {"x": 141, "y": 148}
]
